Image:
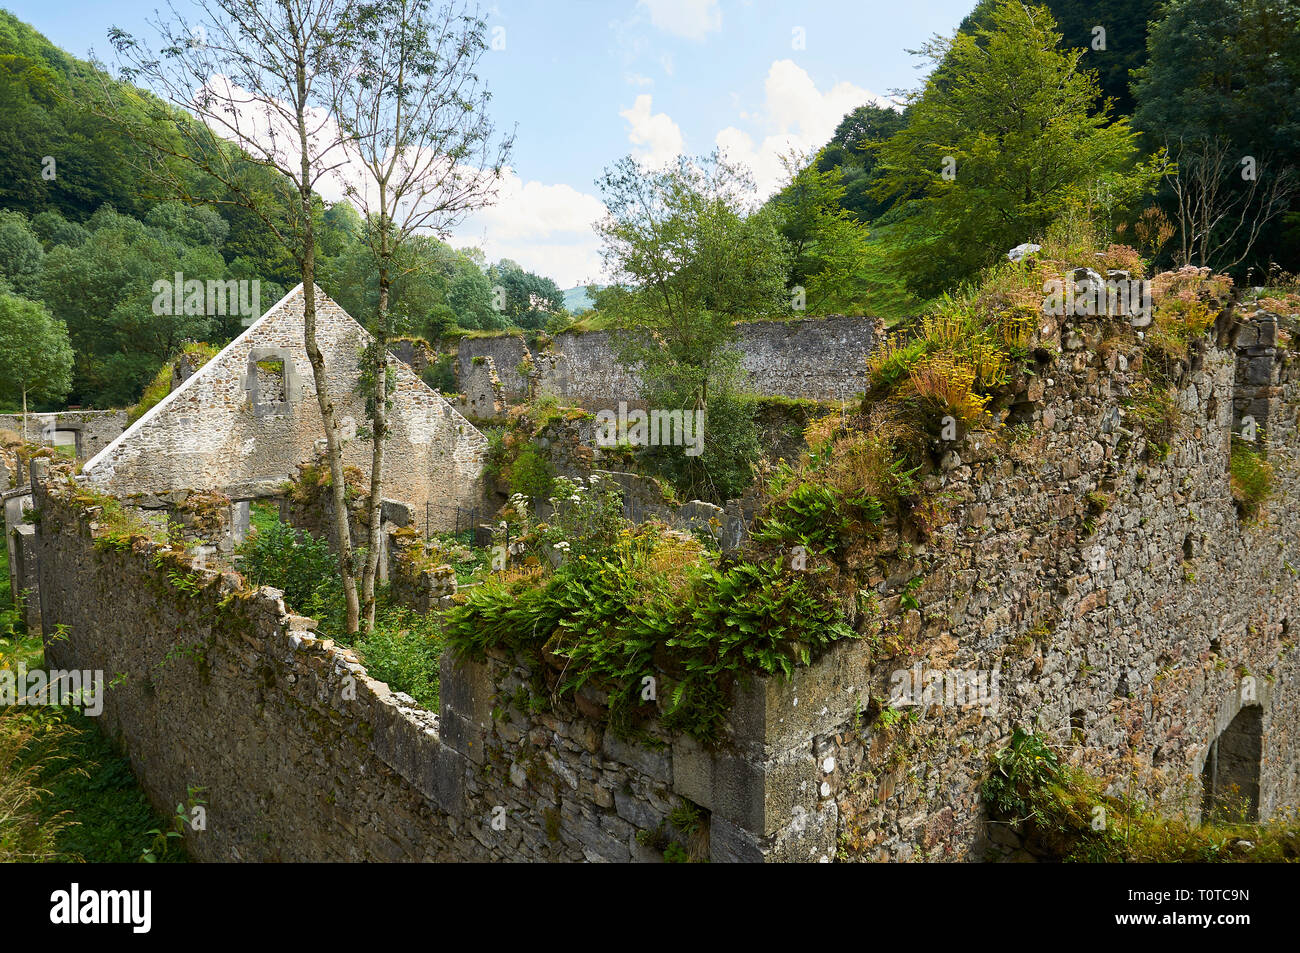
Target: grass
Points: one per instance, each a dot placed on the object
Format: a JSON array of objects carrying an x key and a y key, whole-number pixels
[
  {"x": 262, "y": 516},
  {"x": 70, "y": 795},
  {"x": 1067, "y": 815}
]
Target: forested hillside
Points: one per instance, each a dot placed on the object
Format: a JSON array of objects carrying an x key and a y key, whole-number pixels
[
  {"x": 979, "y": 157},
  {"x": 84, "y": 239}
]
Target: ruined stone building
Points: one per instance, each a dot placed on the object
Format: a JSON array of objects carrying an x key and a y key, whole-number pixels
[
  {"x": 243, "y": 423},
  {"x": 1125, "y": 606},
  {"x": 817, "y": 358},
  {"x": 239, "y": 427}
]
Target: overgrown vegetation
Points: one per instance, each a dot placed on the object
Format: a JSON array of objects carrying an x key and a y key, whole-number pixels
[
  {"x": 193, "y": 355},
  {"x": 1067, "y": 814},
  {"x": 650, "y": 606},
  {"x": 1251, "y": 478},
  {"x": 404, "y": 647},
  {"x": 65, "y": 793}
]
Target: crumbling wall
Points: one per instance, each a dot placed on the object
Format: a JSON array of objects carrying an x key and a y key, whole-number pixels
[
  {"x": 299, "y": 756},
  {"x": 414, "y": 353},
  {"x": 822, "y": 359},
  {"x": 243, "y": 423},
  {"x": 507, "y": 352},
  {"x": 1124, "y": 606},
  {"x": 88, "y": 431},
  {"x": 483, "y": 396}
]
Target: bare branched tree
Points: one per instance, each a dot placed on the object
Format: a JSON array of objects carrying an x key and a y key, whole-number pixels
[
  {"x": 423, "y": 155},
  {"x": 1225, "y": 200},
  {"x": 250, "y": 72}
]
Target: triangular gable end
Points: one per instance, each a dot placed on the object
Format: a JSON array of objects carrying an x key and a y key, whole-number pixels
[{"x": 243, "y": 422}]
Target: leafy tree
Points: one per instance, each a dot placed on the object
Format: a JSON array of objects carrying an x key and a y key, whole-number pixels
[
  {"x": 20, "y": 253},
  {"x": 102, "y": 290},
  {"x": 1006, "y": 145},
  {"x": 827, "y": 243},
  {"x": 260, "y": 135},
  {"x": 680, "y": 237},
  {"x": 528, "y": 300},
  {"x": 35, "y": 357},
  {"x": 53, "y": 229},
  {"x": 189, "y": 224},
  {"x": 1223, "y": 81},
  {"x": 1124, "y": 23},
  {"x": 469, "y": 296},
  {"x": 850, "y": 152},
  {"x": 415, "y": 115},
  {"x": 690, "y": 262}
]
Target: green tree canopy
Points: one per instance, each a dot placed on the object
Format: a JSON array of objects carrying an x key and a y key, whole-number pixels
[
  {"x": 527, "y": 300},
  {"x": 827, "y": 243},
  {"x": 35, "y": 356},
  {"x": 1007, "y": 145}
]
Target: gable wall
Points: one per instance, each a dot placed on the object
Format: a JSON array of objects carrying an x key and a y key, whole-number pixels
[{"x": 210, "y": 434}]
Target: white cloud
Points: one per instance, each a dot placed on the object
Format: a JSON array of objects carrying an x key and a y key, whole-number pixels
[
  {"x": 546, "y": 228},
  {"x": 692, "y": 19},
  {"x": 795, "y": 115},
  {"x": 656, "y": 137}
]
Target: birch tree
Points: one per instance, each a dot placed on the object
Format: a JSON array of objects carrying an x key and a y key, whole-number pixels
[
  {"x": 423, "y": 154},
  {"x": 253, "y": 73}
]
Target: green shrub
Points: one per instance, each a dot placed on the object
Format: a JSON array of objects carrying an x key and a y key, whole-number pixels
[
  {"x": 530, "y": 473},
  {"x": 404, "y": 650},
  {"x": 294, "y": 561},
  {"x": 649, "y": 607},
  {"x": 813, "y": 516},
  {"x": 1068, "y": 815},
  {"x": 440, "y": 376},
  {"x": 1251, "y": 478}
]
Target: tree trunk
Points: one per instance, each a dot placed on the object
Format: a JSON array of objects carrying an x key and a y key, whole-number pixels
[
  {"x": 379, "y": 431},
  {"x": 347, "y": 567},
  {"x": 24, "y": 415}
]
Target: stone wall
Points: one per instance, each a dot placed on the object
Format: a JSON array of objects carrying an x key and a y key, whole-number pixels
[
  {"x": 1128, "y": 613},
  {"x": 414, "y": 353},
  {"x": 823, "y": 359},
  {"x": 483, "y": 396},
  {"x": 1127, "y": 609},
  {"x": 19, "y": 537},
  {"x": 243, "y": 423},
  {"x": 507, "y": 352},
  {"x": 300, "y": 756},
  {"x": 88, "y": 431}
]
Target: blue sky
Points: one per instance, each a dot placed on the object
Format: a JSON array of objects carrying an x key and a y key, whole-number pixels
[{"x": 587, "y": 82}]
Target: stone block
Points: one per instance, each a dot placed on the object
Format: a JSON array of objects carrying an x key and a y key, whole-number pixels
[
  {"x": 730, "y": 844},
  {"x": 809, "y": 837},
  {"x": 693, "y": 771},
  {"x": 654, "y": 764},
  {"x": 773, "y": 714},
  {"x": 462, "y": 736},
  {"x": 466, "y": 688}
]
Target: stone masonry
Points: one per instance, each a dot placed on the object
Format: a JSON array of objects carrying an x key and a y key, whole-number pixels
[
  {"x": 1123, "y": 605},
  {"x": 242, "y": 423},
  {"x": 824, "y": 359}
]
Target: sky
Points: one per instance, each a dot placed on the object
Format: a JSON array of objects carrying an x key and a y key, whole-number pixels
[{"x": 584, "y": 82}]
